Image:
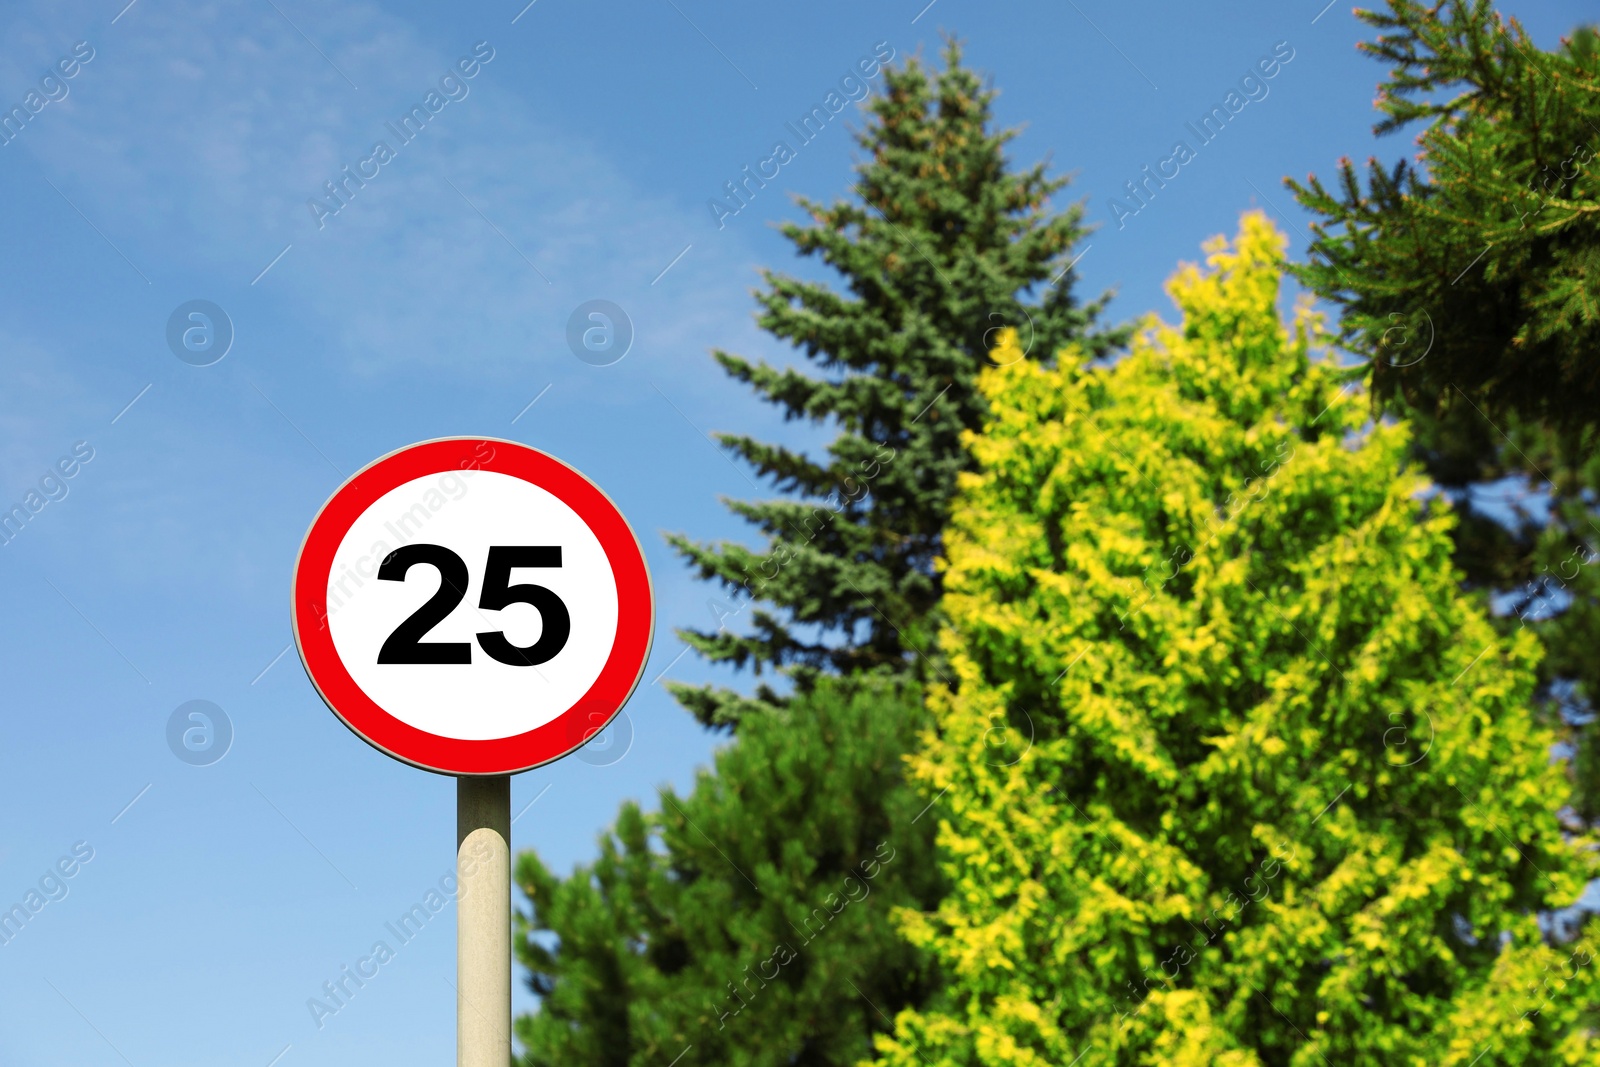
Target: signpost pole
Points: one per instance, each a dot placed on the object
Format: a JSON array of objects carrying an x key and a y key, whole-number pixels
[{"x": 483, "y": 921}]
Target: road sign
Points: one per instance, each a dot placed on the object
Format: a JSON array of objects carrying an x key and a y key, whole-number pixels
[{"x": 472, "y": 606}]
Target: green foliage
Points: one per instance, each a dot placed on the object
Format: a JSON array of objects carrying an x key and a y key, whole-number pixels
[
  {"x": 749, "y": 923},
  {"x": 1490, "y": 242},
  {"x": 1230, "y": 772},
  {"x": 1469, "y": 278},
  {"x": 942, "y": 244},
  {"x": 1526, "y": 542}
]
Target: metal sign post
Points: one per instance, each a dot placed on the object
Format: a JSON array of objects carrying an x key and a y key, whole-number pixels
[{"x": 483, "y": 921}]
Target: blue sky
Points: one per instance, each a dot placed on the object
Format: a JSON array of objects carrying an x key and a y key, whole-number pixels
[{"x": 577, "y": 163}]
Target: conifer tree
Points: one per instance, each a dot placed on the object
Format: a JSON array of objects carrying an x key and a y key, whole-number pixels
[
  {"x": 635, "y": 953},
  {"x": 1233, "y": 773},
  {"x": 1470, "y": 278},
  {"x": 1488, "y": 242},
  {"x": 942, "y": 244}
]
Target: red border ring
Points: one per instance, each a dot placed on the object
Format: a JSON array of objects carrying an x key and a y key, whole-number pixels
[{"x": 448, "y": 755}]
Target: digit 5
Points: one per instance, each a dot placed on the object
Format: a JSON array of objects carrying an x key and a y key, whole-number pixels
[{"x": 498, "y": 592}]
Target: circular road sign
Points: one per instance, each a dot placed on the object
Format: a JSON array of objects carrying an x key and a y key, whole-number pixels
[{"x": 472, "y": 606}]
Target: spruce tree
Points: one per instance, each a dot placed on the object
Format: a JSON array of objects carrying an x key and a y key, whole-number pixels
[
  {"x": 942, "y": 244},
  {"x": 1233, "y": 773},
  {"x": 1469, "y": 278},
  {"x": 1485, "y": 250}
]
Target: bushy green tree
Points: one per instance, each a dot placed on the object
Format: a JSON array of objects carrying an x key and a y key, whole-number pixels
[
  {"x": 942, "y": 243},
  {"x": 1232, "y": 773},
  {"x": 1470, "y": 278},
  {"x": 750, "y": 922}
]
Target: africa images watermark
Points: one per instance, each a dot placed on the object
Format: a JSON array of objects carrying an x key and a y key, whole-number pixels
[
  {"x": 52, "y": 487},
  {"x": 52, "y": 88},
  {"x": 851, "y": 88},
  {"x": 783, "y": 955},
  {"x": 849, "y": 492},
  {"x": 52, "y": 886},
  {"x": 1186, "y": 953},
  {"x": 1252, "y": 87},
  {"x": 403, "y": 527},
  {"x": 452, "y": 87},
  {"x": 1226, "y": 512},
  {"x": 1539, "y": 190},
  {"x": 339, "y": 991}
]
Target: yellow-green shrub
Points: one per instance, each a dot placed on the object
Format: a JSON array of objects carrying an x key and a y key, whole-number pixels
[{"x": 1229, "y": 771}]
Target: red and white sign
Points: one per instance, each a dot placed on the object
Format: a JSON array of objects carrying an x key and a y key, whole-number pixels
[{"x": 472, "y": 606}]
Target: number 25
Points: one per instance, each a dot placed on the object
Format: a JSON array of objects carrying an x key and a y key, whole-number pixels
[{"x": 405, "y": 644}]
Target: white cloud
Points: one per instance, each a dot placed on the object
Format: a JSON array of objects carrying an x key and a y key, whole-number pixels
[{"x": 197, "y": 136}]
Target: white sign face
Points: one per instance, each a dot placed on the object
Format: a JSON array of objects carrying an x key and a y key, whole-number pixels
[
  {"x": 472, "y": 606},
  {"x": 484, "y": 698}
]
